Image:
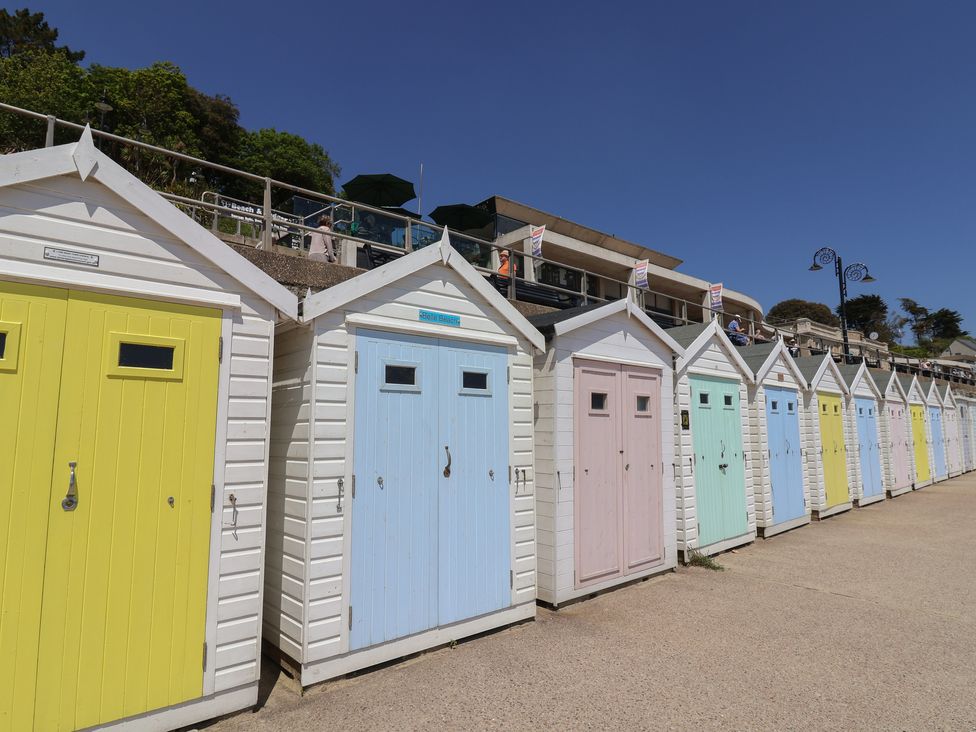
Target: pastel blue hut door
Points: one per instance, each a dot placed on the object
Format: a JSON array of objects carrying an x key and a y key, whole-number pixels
[
  {"x": 475, "y": 525},
  {"x": 938, "y": 441},
  {"x": 430, "y": 517},
  {"x": 785, "y": 468},
  {"x": 395, "y": 510},
  {"x": 867, "y": 437}
]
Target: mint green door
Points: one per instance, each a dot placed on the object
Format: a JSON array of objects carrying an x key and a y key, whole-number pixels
[{"x": 720, "y": 483}]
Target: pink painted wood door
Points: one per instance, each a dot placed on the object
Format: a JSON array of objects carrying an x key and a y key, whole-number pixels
[
  {"x": 900, "y": 447},
  {"x": 643, "y": 543},
  {"x": 597, "y": 495}
]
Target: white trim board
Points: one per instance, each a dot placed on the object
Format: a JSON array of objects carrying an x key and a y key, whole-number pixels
[
  {"x": 712, "y": 331},
  {"x": 596, "y": 314}
]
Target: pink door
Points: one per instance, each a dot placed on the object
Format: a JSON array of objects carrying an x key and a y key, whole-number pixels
[
  {"x": 598, "y": 467},
  {"x": 642, "y": 485},
  {"x": 899, "y": 446},
  {"x": 618, "y": 491}
]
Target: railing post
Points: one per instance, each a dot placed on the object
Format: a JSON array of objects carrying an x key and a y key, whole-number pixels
[
  {"x": 584, "y": 286},
  {"x": 49, "y": 137},
  {"x": 529, "y": 274},
  {"x": 266, "y": 235},
  {"x": 408, "y": 237},
  {"x": 684, "y": 312}
]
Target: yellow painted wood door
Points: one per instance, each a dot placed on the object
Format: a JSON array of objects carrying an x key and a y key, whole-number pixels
[
  {"x": 125, "y": 563},
  {"x": 834, "y": 456},
  {"x": 923, "y": 473},
  {"x": 31, "y": 335}
]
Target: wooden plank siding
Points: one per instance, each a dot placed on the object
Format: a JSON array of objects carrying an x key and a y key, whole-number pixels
[{"x": 86, "y": 217}]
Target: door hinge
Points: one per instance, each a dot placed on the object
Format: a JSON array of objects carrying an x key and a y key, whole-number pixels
[
  {"x": 205, "y": 655},
  {"x": 350, "y": 617},
  {"x": 699, "y": 529},
  {"x": 509, "y": 473},
  {"x": 511, "y": 579},
  {"x": 508, "y": 375},
  {"x": 353, "y": 485},
  {"x": 355, "y": 366},
  {"x": 220, "y": 349},
  {"x": 213, "y": 493}
]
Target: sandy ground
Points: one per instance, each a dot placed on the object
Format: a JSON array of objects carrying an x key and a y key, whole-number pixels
[{"x": 863, "y": 621}]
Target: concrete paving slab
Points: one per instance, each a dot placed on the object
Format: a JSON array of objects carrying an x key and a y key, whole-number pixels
[{"x": 863, "y": 621}]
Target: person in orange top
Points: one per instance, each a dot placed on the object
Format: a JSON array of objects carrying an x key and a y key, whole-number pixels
[{"x": 505, "y": 268}]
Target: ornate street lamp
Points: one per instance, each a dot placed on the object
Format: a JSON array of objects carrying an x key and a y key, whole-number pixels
[{"x": 857, "y": 272}]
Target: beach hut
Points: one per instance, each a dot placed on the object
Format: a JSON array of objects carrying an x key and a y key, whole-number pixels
[
  {"x": 402, "y": 493},
  {"x": 896, "y": 436},
  {"x": 775, "y": 403},
  {"x": 936, "y": 417},
  {"x": 828, "y": 436},
  {"x": 918, "y": 416},
  {"x": 953, "y": 437},
  {"x": 604, "y": 396},
  {"x": 716, "y": 509},
  {"x": 967, "y": 430},
  {"x": 864, "y": 407},
  {"x": 135, "y": 363}
]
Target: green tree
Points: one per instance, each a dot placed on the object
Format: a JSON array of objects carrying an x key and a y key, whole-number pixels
[
  {"x": 917, "y": 319},
  {"x": 23, "y": 31},
  {"x": 288, "y": 158},
  {"x": 946, "y": 324},
  {"x": 869, "y": 313},
  {"x": 789, "y": 310},
  {"x": 41, "y": 81}
]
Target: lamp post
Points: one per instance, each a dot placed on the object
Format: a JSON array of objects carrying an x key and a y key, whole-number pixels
[{"x": 857, "y": 272}]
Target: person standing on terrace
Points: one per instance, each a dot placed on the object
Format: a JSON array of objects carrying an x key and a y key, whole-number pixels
[
  {"x": 505, "y": 267},
  {"x": 736, "y": 334},
  {"x": 321, "y": 247}
]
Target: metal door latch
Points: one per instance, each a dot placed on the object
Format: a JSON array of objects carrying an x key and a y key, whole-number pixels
[
  {"x": 447, "y": 468},
  {"x": 491, "y": 475},
  {"x": 340, "y": 484},
  {"x": 70, "y": 500},
  {"x": 723, "y": 466}
]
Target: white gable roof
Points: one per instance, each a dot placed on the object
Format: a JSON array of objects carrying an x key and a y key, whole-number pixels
[
  {"x": 890, "y": 382},
  {"x": 862, "y": 376},
  {"x": 713, "y": 331},
  {"x": 85, "y": 160},
  {"x": 780, "y": 351},
  {"x": 623, "y": 305},
  {"x": 827, "y": 366},
  {"x": 439, "y": 254}
]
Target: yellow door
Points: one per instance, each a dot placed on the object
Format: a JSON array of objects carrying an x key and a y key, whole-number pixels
[
  {"x": 922, "y": 472},
  {"x": 31, "y": 333},
  {"x": 118, "y": 555},
  {"x": 834, "y": 457}
]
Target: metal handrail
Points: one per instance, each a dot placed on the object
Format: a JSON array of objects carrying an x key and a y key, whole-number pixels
[{"x": 270, "y": 223}]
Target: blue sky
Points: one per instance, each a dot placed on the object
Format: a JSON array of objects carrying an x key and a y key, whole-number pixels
[{"x": 738, "y": 136}]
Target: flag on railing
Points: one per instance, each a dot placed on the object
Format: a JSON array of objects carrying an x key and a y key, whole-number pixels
[
  {"x": 715, "y": 296},
  {"x": 536, "y": 235},
  {"x": 640, "y": 273}
]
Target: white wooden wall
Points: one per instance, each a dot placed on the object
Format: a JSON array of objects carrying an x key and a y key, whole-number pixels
[
  {"x": 715, "y": 362},
  {"x": 86, "y": 217},
  {"x": 616, "y": 338},
  {"x": 317, "y": 603}
]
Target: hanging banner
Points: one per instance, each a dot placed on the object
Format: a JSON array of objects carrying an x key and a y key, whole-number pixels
[
  {"x": 640, "y": 273},
  {"x": 715, "y": 296},
  {"x": 537, "y": 233}
]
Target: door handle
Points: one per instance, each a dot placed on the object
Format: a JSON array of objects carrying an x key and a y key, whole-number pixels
[
  {"x": 447, "y": 468},
  {"x": 723, "y": 466},
  {"x": 70, "y": 500}
]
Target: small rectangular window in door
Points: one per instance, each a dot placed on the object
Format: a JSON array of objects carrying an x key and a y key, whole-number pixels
[
  {"x": 789, "y": 407},
  {"x": 703, "y": 399},
  {"x": 598, "y": 401},
  {"x": 774, "y": 406},
  {"x": 9, "y": 345},
  {"x": 643, "y": 405},
  {"x": 728, "y": 400},
  {"x": 399, "y": 376},
  {"x": 474, "y": 382},
  {"x": 132, "y": 355}
]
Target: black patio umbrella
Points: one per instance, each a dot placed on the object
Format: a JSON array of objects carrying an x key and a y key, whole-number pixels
[
  {"x": 379, "y": 189},
  {"x": 461, "y": 216}
]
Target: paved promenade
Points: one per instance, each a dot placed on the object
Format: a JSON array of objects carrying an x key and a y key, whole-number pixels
[{"x": 864, "y": 621}]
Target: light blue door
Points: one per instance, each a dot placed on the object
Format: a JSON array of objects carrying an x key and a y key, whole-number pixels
[
  {"x": 395, "y": 510},
  {"x": 430, "y": 511},
  {"x": 938, "y": 442},
  {"x": 474, "y": 553},
  {"x": 785, "y": 467},
  {"x": 867, "y": 437}
]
